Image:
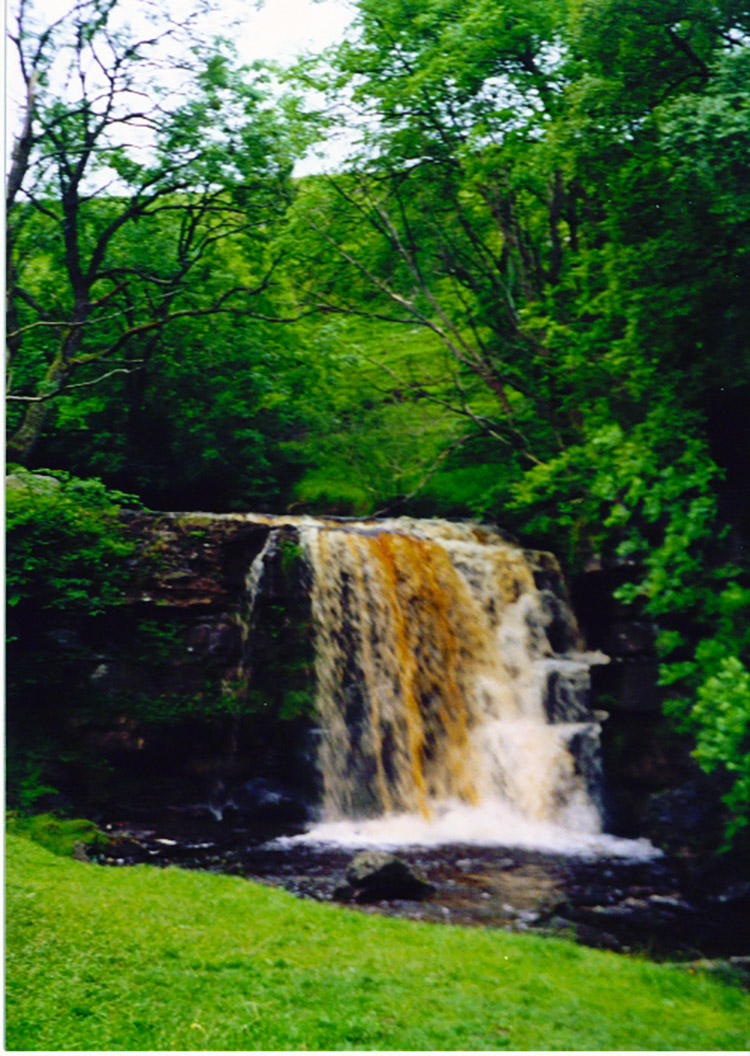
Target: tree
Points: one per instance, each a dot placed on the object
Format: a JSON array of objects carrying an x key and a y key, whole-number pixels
[
  {"x": 426, "y": 226},
  {"x": 558, "y": 192},
  {"x": 127, "y": 137},
  {"x": 528, "y": 190},
  {"x": 512, "y": 171}
]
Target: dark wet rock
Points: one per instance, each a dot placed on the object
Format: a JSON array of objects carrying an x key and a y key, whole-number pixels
[
  {"x": 637, "y": 684},
  {"x": 600, "y": 940},
  {"x": 592, "y": 895},
  {"x": 684, "y": 816},
  {"x": 375, "y": 876},
  {"x": 191, "y": 560},
  {"x": 147, "y": 730},
  {"x": 584, "y": 747},
  {"x": 735, "y": 894},
  {"x": 562, "y": 631},
  {"x": 587, "y": 935},
  {"x": 263, "y": 799},
  {"x": 629, "y": 637},
  {"x": 567, "y": 694}
]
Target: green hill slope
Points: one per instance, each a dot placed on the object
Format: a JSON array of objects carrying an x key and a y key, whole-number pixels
[{"x": 145, "y": 958}]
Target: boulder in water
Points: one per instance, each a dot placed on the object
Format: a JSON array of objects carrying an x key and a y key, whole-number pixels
[{"x": 375, "y": 876}]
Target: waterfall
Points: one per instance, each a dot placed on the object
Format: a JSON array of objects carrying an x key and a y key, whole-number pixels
[{"x": 452, "y": 687}]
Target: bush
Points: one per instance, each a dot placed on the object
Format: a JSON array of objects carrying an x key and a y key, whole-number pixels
[
  {"x": 66, "y": 565},
  {"x": 61, "y": 836},
  {"x": 65, "y": 546},
  {"x": 720, "y": 720}
]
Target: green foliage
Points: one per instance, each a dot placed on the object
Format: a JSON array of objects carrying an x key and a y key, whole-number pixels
[
  {"x": 216, "y": 414},
  {"x": 298, "y": 703},
  {"x": 159, "y": 641},
  {"x": 99, "y": 280},
  {"x": 721, "y": 717},
  {"x": 291, "y": 553},
  {"x": 25, "y": 776},
  {"x": 720, "y": 722},
  {"x": 66, "y": 549},
  {"x": 373, "y": 427},
  {"x": 645, "y": 497},
  {"x": 66, "y": 565},
  {"x": 169, "y": 959}
]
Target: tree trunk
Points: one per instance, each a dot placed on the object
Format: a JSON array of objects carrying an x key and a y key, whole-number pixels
[{"x": 21, "y": 445}]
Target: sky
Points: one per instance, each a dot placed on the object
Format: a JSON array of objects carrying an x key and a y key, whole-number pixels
[
  {"x": 282, "y": 29},
  {"x": 278, "y": 30}
]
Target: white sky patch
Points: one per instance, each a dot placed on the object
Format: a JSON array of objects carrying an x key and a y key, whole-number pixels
[
  {"x": 282, "y": 29},
  {"x": 272, "y": 30}
]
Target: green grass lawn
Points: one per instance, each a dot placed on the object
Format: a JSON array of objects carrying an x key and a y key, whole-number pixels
[{"x": 147, "y": 958}]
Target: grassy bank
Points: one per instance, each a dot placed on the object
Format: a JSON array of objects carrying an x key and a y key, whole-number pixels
[{"x": 145, "y": 958}]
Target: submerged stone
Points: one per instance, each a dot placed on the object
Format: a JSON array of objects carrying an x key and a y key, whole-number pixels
[{"x": 373, "y": 876}]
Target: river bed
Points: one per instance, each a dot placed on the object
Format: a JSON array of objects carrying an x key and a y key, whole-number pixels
[{"x": 667, "y": 908}]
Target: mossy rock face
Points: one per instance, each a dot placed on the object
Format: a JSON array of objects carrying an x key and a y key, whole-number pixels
[
  {"x": 32, "y": 483},
  {"x": 177, "y": 684},
  {"x": 280, "y": 652}
]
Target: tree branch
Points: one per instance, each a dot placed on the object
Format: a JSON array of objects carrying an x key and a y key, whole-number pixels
[{"x": 68, "y": 388}]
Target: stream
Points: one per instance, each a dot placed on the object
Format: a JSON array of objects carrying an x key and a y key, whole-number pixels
[{"x": 665, "y": 908}]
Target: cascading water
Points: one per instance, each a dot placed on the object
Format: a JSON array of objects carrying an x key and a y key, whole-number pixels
[
  {"x": 451, "y": 686},
  {"x": 452, "y": 689}
]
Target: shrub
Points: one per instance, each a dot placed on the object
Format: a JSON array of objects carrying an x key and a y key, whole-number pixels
[
  {"x": 61, "y": 836},
  {"x": 66, "y": 565},
  {"x": 65, "y": 546}
]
